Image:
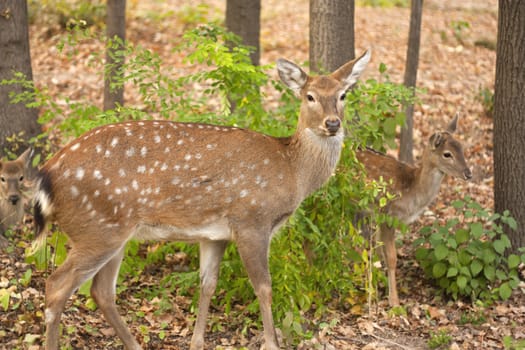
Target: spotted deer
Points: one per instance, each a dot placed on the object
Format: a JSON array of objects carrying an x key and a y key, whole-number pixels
[
  {"x": 12, "y": 176},
  {"x": 210, "y": 184},
  {"x": 415, "y": 187}
]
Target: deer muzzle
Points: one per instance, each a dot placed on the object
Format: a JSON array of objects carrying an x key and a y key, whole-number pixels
[{"x": 14, "y": 198}]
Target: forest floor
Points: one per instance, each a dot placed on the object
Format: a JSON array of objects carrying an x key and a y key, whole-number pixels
[{"x": 457, "y": 64}]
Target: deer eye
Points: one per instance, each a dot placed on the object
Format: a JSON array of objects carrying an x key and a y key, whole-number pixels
[
  {"x": 21, "y": 178},
  {"x": 3, "y": 179},
  {"x": 342, "y": 97},
  {"x": 310, "y": 97},
  {"x": 447, "y": 155}
]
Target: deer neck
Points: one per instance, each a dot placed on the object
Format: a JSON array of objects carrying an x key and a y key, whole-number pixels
[
  {"x": 429, "y": 179},
  {"x": 314, "y": 158}
]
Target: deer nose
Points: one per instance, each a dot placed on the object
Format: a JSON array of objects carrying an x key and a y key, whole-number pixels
[
  {"x": 332, "y": 125},
  {"x": 468, "y": 174},
  {"x": 14, "y": 199}
]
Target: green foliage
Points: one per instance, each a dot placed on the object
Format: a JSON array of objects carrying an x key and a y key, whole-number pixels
[
  {"x": 513, "y": 344},
  {"x": 376, "y": 110},
  {"x": 384, "y": 3},
  {"x": 67, "y": 13},
  {"x": 439, "y": 339},
  {"x": 466, "y": 257},
  {"x": 486, "y": 97},
  {"x": 458, "y": 29},
  {"x": 318, "y": 261}
]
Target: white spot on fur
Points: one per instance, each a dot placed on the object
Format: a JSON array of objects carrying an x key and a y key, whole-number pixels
[
  {"x": 74, "y": 191},
  {"x": 164, "y": 167},
  {"x": 114, "y": 142},
  {"x": 180, "y": 142},
  {"x": 135, "y": 185},
  {"x": 156, "y": 139},
  {"x": 187, "y": 157},
  {"x": 80, "y": 173},
  {"x": 141, "y": 169},
  {"x": 107, "y": 182},
  {"x": 243, "y": 193},
  {"x": 143, "y": 151},
  {"x": 98, "y": 148},
  {"x": 96, "y": 193},
  {"x": 175, "y": 181},
  {"x": 122, "y": 172},
  {"x": 75, "y": 146},
  {"x": 266, "y": 161},
  {"x": 130, "y": 152},
  {"x": 97, "y": 174},
  {"x": 107, "y": 154}
]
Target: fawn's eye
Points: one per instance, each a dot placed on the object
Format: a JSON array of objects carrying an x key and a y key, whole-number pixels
[
  {"x": 447, "y": 155},
  {"x": 310, "y": 97},
  {"x": 21, "y": 178},
  {"x": 2, "y": 178},
  {"x": 342, "y": 97}
]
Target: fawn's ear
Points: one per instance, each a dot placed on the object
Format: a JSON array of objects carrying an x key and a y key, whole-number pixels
[
  {"x": 349, "y": 72},
  {"x": 451, "y": 128},
  {"x": 291, "y": 75},
  {"x": 436, "y": 140},
  {"x": 26, "y": 157}
]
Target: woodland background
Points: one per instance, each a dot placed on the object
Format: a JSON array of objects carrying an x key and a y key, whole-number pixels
[{"x": 456, "y": 74}]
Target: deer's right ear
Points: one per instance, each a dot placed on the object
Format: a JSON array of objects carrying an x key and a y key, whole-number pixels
[
  {"x": 451, "y": 128},
  {"x": 351, "y": 71},
  {"x": 436, "y": 140},
  {"x": 291, "y": 75}
]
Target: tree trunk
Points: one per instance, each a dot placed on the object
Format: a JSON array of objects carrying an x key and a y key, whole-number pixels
[
  {"x": 331, "y": 34},
  {"x": 115, "y": 28},
  {"x": 412, "y": 62},
  {"x": 509, "y": 117},
  {"x": 243, "y": 17},
  {"x": 14, "y": 49}
]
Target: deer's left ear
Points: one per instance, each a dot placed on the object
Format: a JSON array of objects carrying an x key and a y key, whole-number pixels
[
  {"x": 436, "y": 140},
  {"x": 26, "y": 156},
  {"x": 350, "y": 72},
  {"x": 451, "y": 128}
]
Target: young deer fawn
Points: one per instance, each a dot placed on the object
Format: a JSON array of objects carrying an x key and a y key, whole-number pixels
[
  {"x": 12, "y": 175},
  {"x": 162, "y": 180},
  {"x": 416, "y": 187}
]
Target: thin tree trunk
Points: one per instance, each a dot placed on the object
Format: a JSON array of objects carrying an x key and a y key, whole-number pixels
[
  {"x": 14, "y": 49},
  {"x": 243, "y": 17},
  {"x": 331, "y": 34},
  {"x": 414, "y": 39},
  {"x": 115, "y": 28},
  {"x": 509, "y": 117}
]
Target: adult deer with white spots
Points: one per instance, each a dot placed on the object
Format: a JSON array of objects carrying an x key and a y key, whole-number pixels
[
  {"x": 209, "y": 184},
  {"x": 416, "y": 187},
  {"x": 12, "y": 176}
]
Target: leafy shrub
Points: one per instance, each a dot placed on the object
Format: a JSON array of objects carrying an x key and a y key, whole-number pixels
[{"x": 466, "y": 257}]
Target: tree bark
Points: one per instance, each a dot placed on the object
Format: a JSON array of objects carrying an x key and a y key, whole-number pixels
[
  {"x": 406, "y": 143},
  {"x": 243, "y": 17},
  {"x": 509, "y": 117},
  {"x": 14, "y": 49},
  {"x": 331, "y": 34},
  {"x": 115, "y": 28}
]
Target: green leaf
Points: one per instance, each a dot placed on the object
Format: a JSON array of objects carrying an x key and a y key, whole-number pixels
[
  {"x": 5, "y": 295},
  {"x": 476, "y": 229},
  {"x": 452, "y": 272},
  {"x": 462, "y": 236},
  {"x": 439, "y": 270},
  {"x": 513, "y": 261},
  {"x": 441, "y": 252},
  {"x": 505, "y": 291},
  {"x": 475, "y": 267},
  {"x": 421, "y": 253},
  {"x": 499, "y": 246},
  {"x": 462, "y": 282},
  {"x": 489, "y": 272}
]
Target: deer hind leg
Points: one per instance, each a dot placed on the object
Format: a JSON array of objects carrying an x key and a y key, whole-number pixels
[
  {"x": 211, "y": 253},
  {"x": 388, "y": 237},
  {"x": 103, "y": 292},
  {"x": 254, "y": 255},
  {"x": 78, "y": 267}
]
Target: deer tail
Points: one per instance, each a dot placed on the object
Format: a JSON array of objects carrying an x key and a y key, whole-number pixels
[{"x": 42, "y": 209}]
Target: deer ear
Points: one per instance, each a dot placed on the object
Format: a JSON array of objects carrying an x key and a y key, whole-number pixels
[
  {"x": 436, "y": 140},
  {"x": 26, "y": 156},
  {"x": 291, "y": 75},
  {"x": 351, "y": 71},
  {"x": 451, "y": 128}
]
